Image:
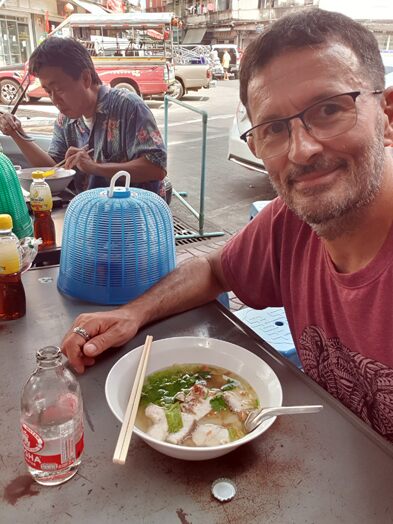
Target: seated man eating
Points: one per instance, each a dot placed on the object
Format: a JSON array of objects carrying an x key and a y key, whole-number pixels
[{"x": 115, "y": 123}]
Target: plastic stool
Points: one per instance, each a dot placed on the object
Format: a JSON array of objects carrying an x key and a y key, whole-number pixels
[
  {"x": 224, "y": 299},
  {"x": 271, "y": 324},
  {"x": 257, "y": 206}
]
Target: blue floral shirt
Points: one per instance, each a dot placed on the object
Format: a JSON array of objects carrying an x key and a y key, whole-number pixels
[{"x": 124, "y": 129}]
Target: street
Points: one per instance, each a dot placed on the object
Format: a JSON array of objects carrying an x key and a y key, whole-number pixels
[{"x": 230, "y": 188}]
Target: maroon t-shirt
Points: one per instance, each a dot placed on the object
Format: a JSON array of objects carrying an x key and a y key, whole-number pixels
[{"x": 342, "y": 324}]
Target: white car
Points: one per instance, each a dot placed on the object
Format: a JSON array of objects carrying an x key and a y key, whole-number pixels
[{"x": 239, "y": 152}]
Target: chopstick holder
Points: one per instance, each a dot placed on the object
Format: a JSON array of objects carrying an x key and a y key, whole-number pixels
[{"x": 123, "y": 442}]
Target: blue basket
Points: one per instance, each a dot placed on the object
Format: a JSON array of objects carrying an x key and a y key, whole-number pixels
[{"x": 117, "y": 243}]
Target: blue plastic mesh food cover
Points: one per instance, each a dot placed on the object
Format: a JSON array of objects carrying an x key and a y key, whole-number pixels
[{"x": 117, "y": 243}]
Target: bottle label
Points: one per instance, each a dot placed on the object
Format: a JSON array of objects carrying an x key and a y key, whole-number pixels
[
  {"x": 10, "y": 258},
  {"x": 59, "y": 454},
  {"x": 41, "y": 198}
]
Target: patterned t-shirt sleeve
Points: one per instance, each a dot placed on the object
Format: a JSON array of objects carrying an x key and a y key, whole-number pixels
[
  {"x": 148, "y": 141},
  {"x": 58, "y": 146}
]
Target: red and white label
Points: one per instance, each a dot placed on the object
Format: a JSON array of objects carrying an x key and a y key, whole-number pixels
[{"x": 62, "y": 458}]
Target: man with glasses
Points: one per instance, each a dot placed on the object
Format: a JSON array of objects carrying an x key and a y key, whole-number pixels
[{"x": 322, "y": 122}]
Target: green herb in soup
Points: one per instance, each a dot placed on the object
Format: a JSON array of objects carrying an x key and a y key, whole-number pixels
[{"x": 195, "y": 405}]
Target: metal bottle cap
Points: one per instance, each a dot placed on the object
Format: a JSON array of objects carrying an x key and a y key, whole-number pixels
[{"x": 223, "y": 489}]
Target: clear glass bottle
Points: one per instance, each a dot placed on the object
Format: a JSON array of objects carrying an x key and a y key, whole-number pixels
[
  {"x": 12, "y": 293},
  {"x": 52, "y": 420},
  {"x": 41, "y": 203}
]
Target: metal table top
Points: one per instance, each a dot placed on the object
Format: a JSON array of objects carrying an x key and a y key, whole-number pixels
[{"x": 323, "y": 468}]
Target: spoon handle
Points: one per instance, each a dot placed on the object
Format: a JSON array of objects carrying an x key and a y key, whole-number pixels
[{"x": 266, "y": 413}]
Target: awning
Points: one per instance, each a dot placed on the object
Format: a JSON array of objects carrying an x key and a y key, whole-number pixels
[
  {"x": 194, "y": 36},
  {"x": 90, "y": 7}
]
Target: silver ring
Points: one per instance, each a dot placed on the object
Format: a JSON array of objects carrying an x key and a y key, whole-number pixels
[{"x": 82, "y": 332}]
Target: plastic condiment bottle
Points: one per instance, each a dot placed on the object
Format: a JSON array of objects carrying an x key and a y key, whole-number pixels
[
  {"x": 12, "y": 293},
  {"x": 41, "y": 204},
  {"x": 52, "y": 420}
]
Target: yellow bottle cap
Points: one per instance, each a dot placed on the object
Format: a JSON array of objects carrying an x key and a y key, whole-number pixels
[
  {"x": 5, "y": 221},
  {"x": 37, "y": 174}
]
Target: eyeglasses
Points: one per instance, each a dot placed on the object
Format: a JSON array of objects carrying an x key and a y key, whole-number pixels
[{"x": 325, "y": 119}]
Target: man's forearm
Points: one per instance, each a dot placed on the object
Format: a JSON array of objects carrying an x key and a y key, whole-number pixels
[
  {"x": 190, "y": 285},
  {"x": 140, "y": 169},
  {"x": 36, "y": 156}
]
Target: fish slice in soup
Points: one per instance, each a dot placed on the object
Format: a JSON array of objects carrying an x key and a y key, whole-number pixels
[{"x": 195, "y": 405}]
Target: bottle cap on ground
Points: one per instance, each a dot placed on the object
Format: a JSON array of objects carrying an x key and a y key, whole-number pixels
[{"x": 223, "y": 489}]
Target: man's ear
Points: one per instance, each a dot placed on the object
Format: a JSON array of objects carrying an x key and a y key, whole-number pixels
[
  {"x": 388, "y": 109},
  {"x": 86, "y": 77}
]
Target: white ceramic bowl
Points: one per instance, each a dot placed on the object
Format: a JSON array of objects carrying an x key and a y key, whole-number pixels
[
  {"x": 197, "y": 350},
  {"x": 57, "y": 182}
]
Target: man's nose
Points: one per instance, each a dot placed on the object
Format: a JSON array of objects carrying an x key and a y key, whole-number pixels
[{"x": 302, "y": 145}]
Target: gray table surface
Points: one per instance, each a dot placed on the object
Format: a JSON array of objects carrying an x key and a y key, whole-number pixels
[{"x": 322, "y": 468}]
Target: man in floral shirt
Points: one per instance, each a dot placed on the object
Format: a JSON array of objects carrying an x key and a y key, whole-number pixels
[{"x": 116, "y": 124}]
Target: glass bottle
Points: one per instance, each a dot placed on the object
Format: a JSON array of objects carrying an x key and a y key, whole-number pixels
[
  {"x": 41, "y": 204},
  {"x": 12, "y": 293},
  {"x": 52, "y": 420}
]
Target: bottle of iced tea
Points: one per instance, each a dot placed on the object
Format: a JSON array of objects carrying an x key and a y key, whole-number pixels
[
  {"x": 41, "y": 204},
  {"x": 52, "y": 420},
  {"x": 12, "y": 293}
]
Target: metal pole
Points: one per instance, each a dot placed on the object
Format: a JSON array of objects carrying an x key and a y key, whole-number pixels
[
  {"x": 201, "y": 215},
  {"x": 203, "y": 174}
]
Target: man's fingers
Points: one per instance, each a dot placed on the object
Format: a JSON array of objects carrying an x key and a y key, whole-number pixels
[
  {"x": 71, "y": 151},
  {"x": 97, "y": 345},
  {"x": 71, "y": 161},
  {"x": 9, "y": 123}
]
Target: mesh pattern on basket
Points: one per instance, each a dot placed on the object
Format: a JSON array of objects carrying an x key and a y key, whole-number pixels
[
  {"x": 11, "y": 199},
  {"x": 114, "y": 249}
]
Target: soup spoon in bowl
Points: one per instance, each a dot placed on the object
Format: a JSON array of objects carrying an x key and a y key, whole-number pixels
[{"x": 257, "y": 416}]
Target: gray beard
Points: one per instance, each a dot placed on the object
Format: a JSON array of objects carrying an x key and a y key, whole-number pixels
[{"x": 332, "y": 219}]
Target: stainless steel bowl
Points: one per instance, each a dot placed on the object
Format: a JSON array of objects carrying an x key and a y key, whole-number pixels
[{"x": 57, "y": 182}]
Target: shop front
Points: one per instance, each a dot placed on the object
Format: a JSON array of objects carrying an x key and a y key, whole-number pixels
[{"x": 15, "y": 39}]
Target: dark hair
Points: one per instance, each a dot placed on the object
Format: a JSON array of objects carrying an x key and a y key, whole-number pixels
[
  {"x": 312, "y": 27},
  {"x": 68, "y": 54}
]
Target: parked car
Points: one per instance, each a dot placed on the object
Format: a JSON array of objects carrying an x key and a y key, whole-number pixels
[
  {"x": 235, "y": 57},
  {"x": 190, "y": 77},
  {"x": 10, "y": 79},
  {"x": 239, "y": 152}
]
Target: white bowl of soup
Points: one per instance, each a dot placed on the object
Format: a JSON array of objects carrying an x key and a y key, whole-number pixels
[{"x": 196, "y": 395}]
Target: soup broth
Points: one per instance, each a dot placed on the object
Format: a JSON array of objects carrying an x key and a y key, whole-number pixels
[{"x": 195, "y": 405}]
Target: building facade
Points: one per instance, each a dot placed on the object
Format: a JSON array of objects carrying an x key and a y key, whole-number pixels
[
  {"x": 24, "y": 23},
  {"x": 238, "y": 21}
]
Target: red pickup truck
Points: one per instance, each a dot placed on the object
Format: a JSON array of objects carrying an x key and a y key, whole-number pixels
[
  {"x": 129, "y": 50},
  {"x": 145, "y": 79}
]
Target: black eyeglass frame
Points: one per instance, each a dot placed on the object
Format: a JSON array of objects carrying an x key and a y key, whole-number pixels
[{"x": 353, "y": 94}]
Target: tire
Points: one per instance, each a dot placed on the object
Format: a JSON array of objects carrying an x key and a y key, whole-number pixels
[
  {"x": 8, "y": 91},
  {"x": 177, "y": 89},
  {"x": 125, "y": 85}
]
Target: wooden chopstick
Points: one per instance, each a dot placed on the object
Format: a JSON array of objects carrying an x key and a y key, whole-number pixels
[
  {"x": 64, "y": 160},
  {"x": 123, "y": 442},
  {"x": 21, "y": 97}
]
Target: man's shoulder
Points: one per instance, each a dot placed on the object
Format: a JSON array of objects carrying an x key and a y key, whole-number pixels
[{"x": 124, "y": 95}]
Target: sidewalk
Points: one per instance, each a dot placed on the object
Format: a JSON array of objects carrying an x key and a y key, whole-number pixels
[{"x": 203, "y": 248}]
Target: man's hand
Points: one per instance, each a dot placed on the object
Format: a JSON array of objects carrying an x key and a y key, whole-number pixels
[
  {"x": 9, "y": 125},
  {"x": 107, "y": 329},
  {"x": 80, "y": 158}
]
